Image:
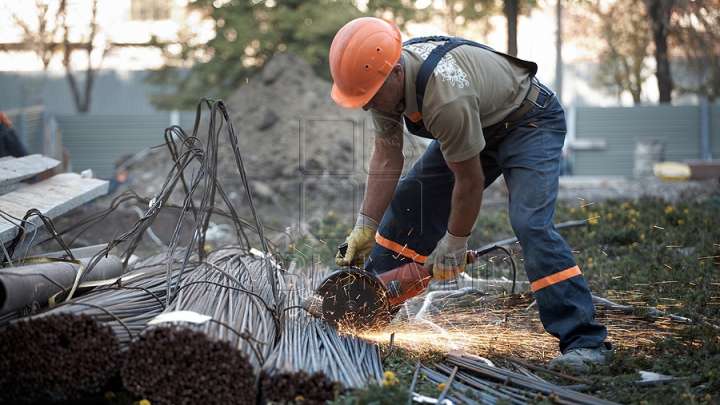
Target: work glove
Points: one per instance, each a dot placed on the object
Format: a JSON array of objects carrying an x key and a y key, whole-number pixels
[
  {"x": 449, "y": 257},
  {"x": 359, "y": 243}
]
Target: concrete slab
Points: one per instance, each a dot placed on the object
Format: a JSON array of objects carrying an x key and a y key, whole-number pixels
[
  {"x": 16, "y": 170},
  {"x": 52, "y": 197}
]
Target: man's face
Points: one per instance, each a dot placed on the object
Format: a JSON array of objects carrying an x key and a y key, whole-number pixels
[{"x": 390, "y": 94}]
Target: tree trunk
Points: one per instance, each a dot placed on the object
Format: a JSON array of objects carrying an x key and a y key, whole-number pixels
[
  {"x": 511, "y": 13},
  {"x": 659, "y": 12}
]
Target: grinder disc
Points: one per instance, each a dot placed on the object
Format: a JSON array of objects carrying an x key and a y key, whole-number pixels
[{"x": 354, "y": 300}]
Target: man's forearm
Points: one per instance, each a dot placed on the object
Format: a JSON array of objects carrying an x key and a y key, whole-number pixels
[
  {"x": 466, "y": 202},
  {"x": 385, "y": 168},
  {"x": 467, "y": 195}
]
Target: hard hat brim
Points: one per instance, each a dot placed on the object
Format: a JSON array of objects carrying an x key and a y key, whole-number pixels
[{"x": 353, "y": 101}]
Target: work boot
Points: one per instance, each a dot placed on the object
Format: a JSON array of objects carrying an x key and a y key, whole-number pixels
[{"x": 580, "y": 358}]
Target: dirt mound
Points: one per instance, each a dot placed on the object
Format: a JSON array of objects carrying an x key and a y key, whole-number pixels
[{"x": 304, "y": 155}]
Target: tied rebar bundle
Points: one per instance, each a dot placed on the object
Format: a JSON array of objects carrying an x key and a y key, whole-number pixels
[
  {"x": 88, "y": 334},
  {"x": 312, "y": 360},
  {"x": 216, "y": 332},
  {"x": 174, "y": 364},
  {"x": 56, "y": 358}
]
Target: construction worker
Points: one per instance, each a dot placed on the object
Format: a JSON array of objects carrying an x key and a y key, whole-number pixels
[{"x": 487, "y": 115}]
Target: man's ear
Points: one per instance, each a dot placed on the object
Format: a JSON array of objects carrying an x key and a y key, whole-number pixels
[{"x": 399, "y": 71}]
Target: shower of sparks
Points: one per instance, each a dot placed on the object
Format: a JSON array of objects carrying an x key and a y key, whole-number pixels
[{"x": 487, "y": 326}]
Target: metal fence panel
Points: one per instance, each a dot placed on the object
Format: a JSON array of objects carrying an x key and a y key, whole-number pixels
[
  {"x": 97, "y": 141},
  {"x": 677, "y": 126}
]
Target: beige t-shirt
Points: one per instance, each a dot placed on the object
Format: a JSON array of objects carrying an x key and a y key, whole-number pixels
[{"x": 469, "y": 89}]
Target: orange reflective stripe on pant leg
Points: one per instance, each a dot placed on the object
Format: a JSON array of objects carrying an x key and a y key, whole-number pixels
[
  {"x": 555, "y": 278},
  {"x": 399, "y": 249}
]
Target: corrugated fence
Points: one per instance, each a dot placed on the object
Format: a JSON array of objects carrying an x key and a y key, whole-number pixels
[
  {"x": 606, "y": 137},
  {"x": 602, "y": 140}
]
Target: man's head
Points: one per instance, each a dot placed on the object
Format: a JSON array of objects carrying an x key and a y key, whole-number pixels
[{"x": 364, "y": 59}]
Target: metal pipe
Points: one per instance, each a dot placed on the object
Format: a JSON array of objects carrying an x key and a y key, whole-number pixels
[{"x": 21, "y": 286}]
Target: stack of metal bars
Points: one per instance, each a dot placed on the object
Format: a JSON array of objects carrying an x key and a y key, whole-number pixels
[
  {"x": 312, "y": 360},
  {"x": 471, "y": 380},
  {"x": 76, "y": 347},
  {"x": 220, "y": 327}
]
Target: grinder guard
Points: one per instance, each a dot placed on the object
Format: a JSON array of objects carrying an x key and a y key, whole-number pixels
[{"x": 354, "y": 299}]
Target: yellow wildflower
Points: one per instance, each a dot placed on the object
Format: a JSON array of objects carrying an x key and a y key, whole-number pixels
[
  {"x": 593, "y": 221},
  {"x": 385, "y": 383},
  {"x": 389, "y": 375},
  {"x": 207, "y": 248},
  {"x": 609, "y": 215},
  {"x": 332, "y": 214},
  {"x": 441, "y": 386},
  {"x": 299, "y": 398},
  {"x": 669, "y": 209},
  {"x": 109, "y": 395},
  {"x": 144, "y": 402},
  {"x": 590, "y": 259}
]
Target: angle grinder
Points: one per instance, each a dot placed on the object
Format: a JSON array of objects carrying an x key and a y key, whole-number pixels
[{"x": 357, "y": 300}]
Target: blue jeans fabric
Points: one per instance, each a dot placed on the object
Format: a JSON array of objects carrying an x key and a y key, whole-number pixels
[{"x": 528, "y": 154}]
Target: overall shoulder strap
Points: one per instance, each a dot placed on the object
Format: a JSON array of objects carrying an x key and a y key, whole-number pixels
[{"x": 437, "y": 54}]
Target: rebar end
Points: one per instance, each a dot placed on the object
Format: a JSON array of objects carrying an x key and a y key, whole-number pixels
[{"x": 313, "y": 305}]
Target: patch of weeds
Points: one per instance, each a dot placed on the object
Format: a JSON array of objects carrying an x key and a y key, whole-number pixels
[
  {"x": 389, "y": 391},
  {"x": 319, "y": 242}
]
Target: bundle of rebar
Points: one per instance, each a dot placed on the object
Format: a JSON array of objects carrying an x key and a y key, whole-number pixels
[
  {"x": 56, "y": 358},
  {"x": 472, "y": 377},
  {"x": 312, "y": 360},
  {"x": 212, "y": 338},
  {"x": 75, "y": 347}
]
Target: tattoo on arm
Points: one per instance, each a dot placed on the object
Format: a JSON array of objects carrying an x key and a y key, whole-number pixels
[{"x": 391, "y": 142}]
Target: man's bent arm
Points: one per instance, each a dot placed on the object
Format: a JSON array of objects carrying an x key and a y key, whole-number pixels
[
  {"x": 467, "y": 195},
  {"x": 386, "y": 165}
]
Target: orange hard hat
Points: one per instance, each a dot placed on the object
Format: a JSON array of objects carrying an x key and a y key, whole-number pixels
[{"x": 362, "y": 55}]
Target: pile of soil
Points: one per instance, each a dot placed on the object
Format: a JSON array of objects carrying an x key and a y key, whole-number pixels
[{"x": 304, "y": 155}]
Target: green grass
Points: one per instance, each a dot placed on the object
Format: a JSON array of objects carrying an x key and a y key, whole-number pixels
[{"x": 647, "y": 253}]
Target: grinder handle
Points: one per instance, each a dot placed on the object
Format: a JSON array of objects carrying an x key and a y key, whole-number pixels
[{"x": 342, "y": 248}]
